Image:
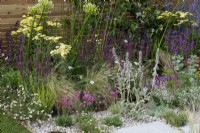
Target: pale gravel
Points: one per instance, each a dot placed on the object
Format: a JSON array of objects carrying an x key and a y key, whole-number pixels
[{"x": 129, "y": 125}]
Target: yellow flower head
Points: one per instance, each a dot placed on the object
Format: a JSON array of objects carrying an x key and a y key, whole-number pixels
[
  {"x": 39, "y": 28},
  {"x": 53, "y": 24},
  {"x": 13, "y": 33},
  {"x": 63, "y": 50}
]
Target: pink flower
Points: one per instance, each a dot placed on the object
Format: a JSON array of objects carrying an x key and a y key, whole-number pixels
[
  {"x": 68, "y": 98},
  {"x": 72, "y": 99},
  {"x": 57, "y": 101},
  {"x": 91, "y": 98},
  {"x": 81, "y": 104},
  {"x": 115, "y": 86},
  {"x": 102, "y": 102},
  {"x": 78, "y": 95},
  {"x": 89, "y": 103},
  {"x": 86, "y": 96},
  {"x": 63, "y": 98},
  {"x": 114, "y": 93},
  {"x": 63, "y": 103}
]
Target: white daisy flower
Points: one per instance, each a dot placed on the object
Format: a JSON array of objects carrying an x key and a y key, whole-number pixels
[
  {"x": 70, "y": 67},
  {"x": 91, "y": 82},
  {"x": 125, "y": 41}
]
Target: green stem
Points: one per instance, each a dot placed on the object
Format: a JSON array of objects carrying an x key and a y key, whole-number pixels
[
  {"x": 30, "y": 37},
  {"x": 167, "y": 24},
  {"x": 79, "y": 34},
  {"x": 82, "y": 28}
]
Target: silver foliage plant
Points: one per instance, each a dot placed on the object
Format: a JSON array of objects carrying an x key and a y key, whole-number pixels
[
  {"x": 155, "y": 69},
  {"x": 130, "y": 78},
  {"x": 189, "y": 92},
  {"x": 187, "y": 75},
  {"x": 130, "y": 86}
]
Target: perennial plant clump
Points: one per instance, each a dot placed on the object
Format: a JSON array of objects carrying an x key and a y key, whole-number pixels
[
  {"x": 65, "y": 121},
  {"x": 83, "y": 101},
  {"x": 87, "y": 123},
  {"x": 113, "y": 121},
  {"x": 34, "y": 26},
  {"x": 23, "y": 106},
  {"x": 177, "y": 18}
]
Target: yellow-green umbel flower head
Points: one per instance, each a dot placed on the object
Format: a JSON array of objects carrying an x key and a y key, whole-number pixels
[
  {"x": 43, "y": 6},
  {"x": 90, "y": 8},
  {"x": 62, "y": 50}
]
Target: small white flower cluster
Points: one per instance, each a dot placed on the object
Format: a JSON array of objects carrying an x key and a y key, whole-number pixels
[{"x": 22, "y": 105}]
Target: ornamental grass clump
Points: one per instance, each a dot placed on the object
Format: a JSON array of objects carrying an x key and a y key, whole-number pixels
[
  {"x": 65, "y": 121},
  {"x": 175, "y": 119},
  {"x": 97, "y": 82},
  {"x": 113, "y": 121},
  {"x": 116, "y": 109}
]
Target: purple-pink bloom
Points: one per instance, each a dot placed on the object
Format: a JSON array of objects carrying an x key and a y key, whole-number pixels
[
  {"x": 81, "y": 104},
  {"x": 89, "y": 103},
  {"x": 114, "y": 93},
  {"x": 78, "y": 95},
  {"x": 57, "y": 101},
  {"x": 63, "y": 103},
  {"x": 115, "y": 86},
  {"x": 86, "y": 96}
]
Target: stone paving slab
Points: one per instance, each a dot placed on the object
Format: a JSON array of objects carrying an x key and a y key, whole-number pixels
[{"x": 154, "y": 127}]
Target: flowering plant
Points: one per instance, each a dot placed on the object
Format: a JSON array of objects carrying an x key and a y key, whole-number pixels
[
  {"x": 33, "y": 27},
  {"x": 23, "y": 106},
  {"x": 177, "y": 18},
  {"x": 83, "y": 101}
]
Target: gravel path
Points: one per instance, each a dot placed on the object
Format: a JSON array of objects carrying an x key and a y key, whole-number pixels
[{"x": 129, "y": 126}]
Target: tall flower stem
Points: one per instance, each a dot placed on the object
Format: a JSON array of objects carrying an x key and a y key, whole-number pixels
[
  {"x": 167, "y": 26},
  {"x": 30, "y": 37},
  {"x": 79, "y": 34},
  {"x": 81, "y": 31}
]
